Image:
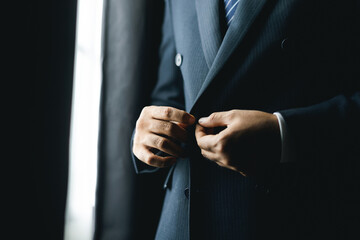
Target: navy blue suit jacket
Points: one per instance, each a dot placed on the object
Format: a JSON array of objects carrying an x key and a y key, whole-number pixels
[{"x": 298, "y": 57}]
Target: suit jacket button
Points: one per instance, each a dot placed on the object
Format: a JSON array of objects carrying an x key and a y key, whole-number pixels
[
  {"x": 187, "y": 193},
  {"x": 284, "y": 43},
  {"x": 178, "y": 60}
]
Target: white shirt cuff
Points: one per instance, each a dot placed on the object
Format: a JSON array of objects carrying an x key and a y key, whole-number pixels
[{"x": 285, "y": 148}]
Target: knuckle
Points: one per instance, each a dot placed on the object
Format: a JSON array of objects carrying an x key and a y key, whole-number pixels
[
  {"x": 143, "y": 140},
  {"x": 139, "y": 123},
  {"x": 167, "y": 112},
  {"x": 153, "y": 126},
  {"x": 149, "y": 124},
  {"x": 145, "y": 110},
  {"x": 184, "y": 116},
  {"x": 212, "y": 116},
  {"x": 167, "y": 127},
  {"x": 231, "y": 114},
  {"x": 160, "y": 142}
]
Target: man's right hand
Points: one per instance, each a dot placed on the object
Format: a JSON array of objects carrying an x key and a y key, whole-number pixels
[{"x": 161, "y": 128}]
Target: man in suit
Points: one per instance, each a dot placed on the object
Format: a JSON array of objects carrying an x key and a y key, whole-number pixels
[{"x": 255, "y": 115}]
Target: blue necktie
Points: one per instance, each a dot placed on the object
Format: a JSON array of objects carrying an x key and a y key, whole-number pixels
[{"x": 230, "y": 7}]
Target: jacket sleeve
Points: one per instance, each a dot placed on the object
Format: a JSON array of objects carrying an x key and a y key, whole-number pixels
[
  {"x": 168, "y": 90},
  {"x": 325, "y": 137},
  {"x": 328, "y": 128}
]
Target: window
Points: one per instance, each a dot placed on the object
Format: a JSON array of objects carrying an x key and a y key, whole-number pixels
[{"x": 84, "y": 122}]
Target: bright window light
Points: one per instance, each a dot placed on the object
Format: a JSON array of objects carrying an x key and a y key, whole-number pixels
[{"x": 79, "y": 220}]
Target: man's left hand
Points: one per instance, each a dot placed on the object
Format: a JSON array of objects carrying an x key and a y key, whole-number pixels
[{"x": 248, "y": 142}]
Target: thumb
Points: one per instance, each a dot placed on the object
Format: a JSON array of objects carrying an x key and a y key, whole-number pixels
[{"x": 217, "y": 119}]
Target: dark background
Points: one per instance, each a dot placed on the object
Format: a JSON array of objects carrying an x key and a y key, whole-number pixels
[
  {"x": 42, "y": 56},
  {"x": 55, "y": 39},
  {"x": 41, "y": 41}
]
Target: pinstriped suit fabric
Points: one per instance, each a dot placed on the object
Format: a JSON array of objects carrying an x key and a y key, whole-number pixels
[{"x": 276, "y": 55}]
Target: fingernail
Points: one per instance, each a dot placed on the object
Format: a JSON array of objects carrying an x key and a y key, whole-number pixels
[{"x": 202, "y": 120}]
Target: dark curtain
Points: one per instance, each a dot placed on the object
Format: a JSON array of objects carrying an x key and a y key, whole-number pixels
[
  {"x": 42, "y": 60},
  {"x": 56, "y": 43},
  {"x": 127, "y": 206}
]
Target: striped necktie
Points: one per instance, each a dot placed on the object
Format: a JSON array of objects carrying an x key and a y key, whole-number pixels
[{"x": 230, "y": 7}]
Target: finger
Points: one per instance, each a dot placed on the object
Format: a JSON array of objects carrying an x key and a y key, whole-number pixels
[
  {"x": 209, "y": 155},
  {"x": 201, "y": 138},
  {"x": 207, "y": 142},
  {"x": 215, "y": 158},
  {"x": 243, "y": 174},
  {"x": 200, "y": 131},
  {"x": 217, "y": 119},
  {"x": 168, "y": 129},
  {"x": 172, "y": 114},
  {"x": 163, "y": 144},
  {"x": 221, "y": 164},
  {"x": 154, "y": 160}
]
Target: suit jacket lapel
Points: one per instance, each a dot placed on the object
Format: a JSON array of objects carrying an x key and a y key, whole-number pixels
[
  {"x": 209, "y": 27},
  {"x": 245, "y": 14}
]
